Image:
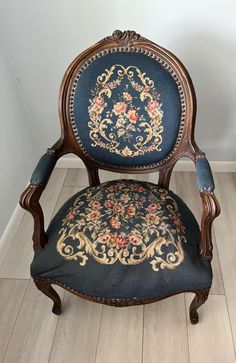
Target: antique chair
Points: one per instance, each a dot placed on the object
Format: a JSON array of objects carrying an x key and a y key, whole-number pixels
[{"x": 126, "y": 105}]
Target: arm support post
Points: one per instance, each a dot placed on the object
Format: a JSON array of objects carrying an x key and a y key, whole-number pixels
[
  {"x": 211, "y": 208},
  {"x": 29, "y": 199}
]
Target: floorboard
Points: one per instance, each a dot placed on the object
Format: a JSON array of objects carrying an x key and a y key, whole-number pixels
[
  {"x": 165, "y": 335},
  {"x": 210, "y": 341},
  {"x": 77, "y": 331},
  {"x": 33, "y": 334},
  {"x": 121, "y": 335},
  {"x": 225, "y": 233},
  {"x": 12, "y": 293}
]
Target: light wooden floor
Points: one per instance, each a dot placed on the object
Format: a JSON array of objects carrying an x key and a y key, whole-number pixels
[{"x": 88, "y": 332}]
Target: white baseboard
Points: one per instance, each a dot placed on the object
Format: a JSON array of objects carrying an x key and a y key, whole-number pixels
[
  {"x": 71, "y": 162},
  {"x": 10, "y": 231}
]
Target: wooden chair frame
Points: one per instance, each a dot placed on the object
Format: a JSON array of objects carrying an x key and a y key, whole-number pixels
[{"x": 185, "y": 146}]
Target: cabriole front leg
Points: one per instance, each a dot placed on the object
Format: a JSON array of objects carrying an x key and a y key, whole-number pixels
[
  {"x": 200, "y": 299},
  {"x": 47, "y": 289}
]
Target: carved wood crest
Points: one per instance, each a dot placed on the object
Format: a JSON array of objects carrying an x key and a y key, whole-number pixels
[{"x": 125, "y": 38}]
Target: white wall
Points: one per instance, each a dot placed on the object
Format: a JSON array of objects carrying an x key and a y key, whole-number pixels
[
  {"x": 42, "y": 37},
  {"x": 16, "y": 149}
]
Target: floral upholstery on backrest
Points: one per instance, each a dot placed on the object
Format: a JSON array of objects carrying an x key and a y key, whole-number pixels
[{"x": 125, "y": 108}]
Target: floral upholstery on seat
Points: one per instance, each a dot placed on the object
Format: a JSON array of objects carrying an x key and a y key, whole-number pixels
[
  {"x": 125, "y": 222},
  {"x": 124, "y": 239}
]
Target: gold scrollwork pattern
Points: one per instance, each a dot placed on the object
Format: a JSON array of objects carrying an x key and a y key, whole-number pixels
[
  {"x": 123, "y": 221},
  {"x": 125, "y": 115}
]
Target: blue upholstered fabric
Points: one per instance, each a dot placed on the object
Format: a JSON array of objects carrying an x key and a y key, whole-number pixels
[
  {"x": 127, "y": 109},
  {"x": 204, "y": 175},
  {"x": 124, "y": 239},
  {"x": 43, "y": 169}
]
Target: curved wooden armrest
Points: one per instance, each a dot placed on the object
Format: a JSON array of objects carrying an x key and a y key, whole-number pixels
[
  {"x": 211, "y": 209},
  {"x": 29, "y": 200}
]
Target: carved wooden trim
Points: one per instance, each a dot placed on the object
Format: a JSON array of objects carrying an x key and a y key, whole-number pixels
[
  {"x": 29, "y": 200},
  {"x": 126, "y": 38},
  {"x": 200, "y": 299},
  {"x": 211, "y": 210},
  {"x": 44, "y": 284}
]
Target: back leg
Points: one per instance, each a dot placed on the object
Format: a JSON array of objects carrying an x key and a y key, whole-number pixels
[
  {"x": 199, "y": 299},
  {"x": 46, "y": 288}
]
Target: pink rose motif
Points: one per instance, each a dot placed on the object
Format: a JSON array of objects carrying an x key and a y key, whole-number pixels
[
  {"x": 152, "y": 105},
  {"x": 108, "y": 204},
  {"x": 94, "y": 205},
  {"x": 137, "y": 188},
  {"x": 113, "y": 188},
  {"x": 98, "y": 101},
  {"x": 152, "y": 208},
  {"x": 132, "y": 115},
  {"x": 120, "y": 242},
  {"x": 112, "y": 85},
  {"x": 139, "y": 88},
  {"x": 115, "y": 223},
  {"x": 119, "y": 108},
  {"x": 70, "y": 216},
  {"x": 93, "y": 215},
  {"x": 131, "y": 210},
  {"x": 105, "y": 237},
  {"x": 134, "y": 238},
  {"x": 118, "y": 208}
]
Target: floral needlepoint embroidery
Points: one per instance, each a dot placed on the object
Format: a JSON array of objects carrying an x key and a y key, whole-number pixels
[
  {"x": 125, "y": 116},
  {"x": 124, "y": 221}
]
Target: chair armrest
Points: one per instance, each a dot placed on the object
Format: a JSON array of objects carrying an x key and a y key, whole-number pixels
[
  {"x": 29, "y": 199},
  {"x": 44, "y": 168},
  {"x": 204, "y": 175},
  {"x": 211, "y": 208}
]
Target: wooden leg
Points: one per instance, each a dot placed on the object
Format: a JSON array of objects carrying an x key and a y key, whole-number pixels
[
  {"x": 200, "y": 298},
  {"x": 47, "y": 289}
]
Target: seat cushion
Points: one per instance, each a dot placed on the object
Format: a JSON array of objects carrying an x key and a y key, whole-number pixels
[{"x": 124, "y": 239}]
